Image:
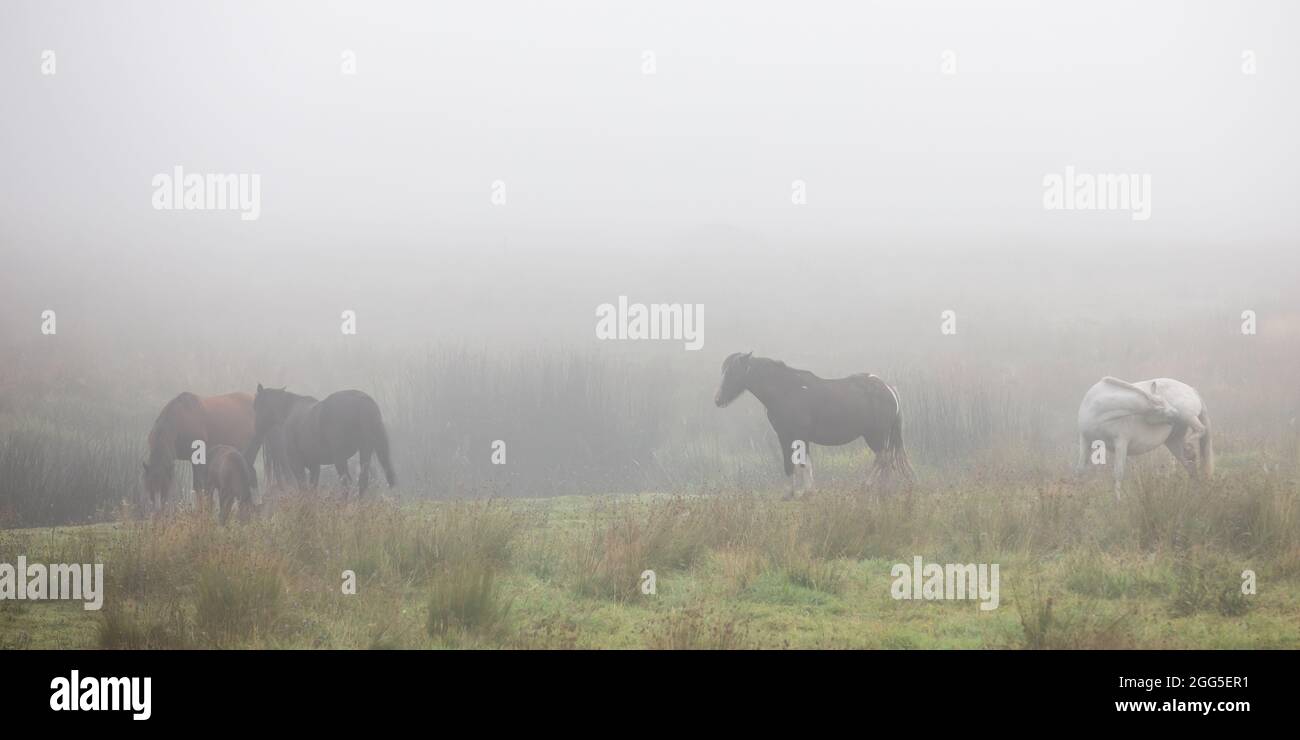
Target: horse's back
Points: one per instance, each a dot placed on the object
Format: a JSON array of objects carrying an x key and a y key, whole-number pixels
[
  {"x": 1111, "y": 397},
  {"x": 874, "y": 387},
  {"x": 230, "y": 419},
  {"x": 348, "y": 407},
  {"x": 837, "y": 410},
  {"x": 337, "y": 426},
  {"x": 350, "y": 398}
]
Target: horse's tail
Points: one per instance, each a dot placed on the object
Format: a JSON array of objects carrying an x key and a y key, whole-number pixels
[
  {"x": 895, "y": 450},
  {"x": 1207, "y": 444},
  {"x": 275, "y": 456},
  {"x": 892, "y": 461},
  {"x": 379, "y": 435}
]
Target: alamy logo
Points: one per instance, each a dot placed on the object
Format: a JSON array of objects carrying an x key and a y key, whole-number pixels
[
  {"x": 1101, "y": 192},
  {"x": 54, "y": 582},
  {"x": 683, "y": 322},
  {"x": 932, "y": 581},
  {"x": 92, "y": 694},
  {"x": 212, "y": 192}
]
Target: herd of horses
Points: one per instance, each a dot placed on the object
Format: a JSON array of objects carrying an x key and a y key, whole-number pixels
[{"x": 298, "y": 434}]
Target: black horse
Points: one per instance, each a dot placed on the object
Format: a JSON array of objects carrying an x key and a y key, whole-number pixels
[
  {"x": 806, "y": 410},
  {"x": 310, "y": 433}
]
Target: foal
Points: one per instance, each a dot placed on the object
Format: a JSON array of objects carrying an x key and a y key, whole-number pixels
[{"x": 230, "y": 475}]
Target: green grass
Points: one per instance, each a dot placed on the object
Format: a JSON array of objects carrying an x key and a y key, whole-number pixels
[{"x": 1162, "y": 569}]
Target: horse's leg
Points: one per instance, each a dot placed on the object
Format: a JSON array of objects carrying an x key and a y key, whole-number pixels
[
  {"x": 345, "y": 474},
  {"x": 345, "y": 477},
  {"x": 299, "y": 475},
  {"x": 787, "y": 459},
  {"x": 224, "y": 501},
  {"x": 1177, "y": 445},
  {"x": 1083, "y": 455},
  {"x": 876, "y": 445},
  {"x": 314, "y": 472},
  {"x": 364, "y": 478},
  {"x": 1121, "y": 454},
  {"x": 808, "y": 470},
  {"x": 199, "y": 476}
]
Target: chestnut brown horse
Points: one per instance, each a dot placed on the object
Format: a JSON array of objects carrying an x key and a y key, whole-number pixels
[
  {"x": 312, "y": 433},
  {"x": 216, "y": 420}
]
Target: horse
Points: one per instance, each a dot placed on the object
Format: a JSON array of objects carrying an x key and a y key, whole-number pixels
[
  {"x": 1135, "y": 418},
  {"x": 233, "y": 479},
  {"x": 805, "y": 409},
  {"x": 216, "y": 420},
  {"x": 327, "y": 432}
]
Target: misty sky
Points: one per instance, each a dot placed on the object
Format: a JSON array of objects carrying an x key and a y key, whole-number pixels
[{"x": 376, "y": 186}]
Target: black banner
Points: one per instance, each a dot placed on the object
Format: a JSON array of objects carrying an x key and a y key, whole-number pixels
[{"x": 932, "y": 688}]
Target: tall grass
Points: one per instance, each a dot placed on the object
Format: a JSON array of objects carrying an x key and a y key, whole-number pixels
[
  {"x": 465, "y": 596},
  {"x": 72, "y": 429},
  {"x": 488, "y": 573}
]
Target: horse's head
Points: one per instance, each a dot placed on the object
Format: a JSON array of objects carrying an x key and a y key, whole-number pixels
[
  {"x": 157, "y": 478},
  {"x": 735, "y": 378},
  {"x": 1160, "y": 407},
  {"x": 270, "y": 407}
]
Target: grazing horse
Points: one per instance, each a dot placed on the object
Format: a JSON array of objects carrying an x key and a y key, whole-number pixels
[
  {"x": 216, "y": 420},
  {"x": 1135, "y": 418},
  {"x": 328, "y": 432},
  {"x": 805, "y": 410},
  {"x": 230, "y": 475}
]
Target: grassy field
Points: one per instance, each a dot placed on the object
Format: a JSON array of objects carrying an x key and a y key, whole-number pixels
[{"x": 1162, "y": 569}]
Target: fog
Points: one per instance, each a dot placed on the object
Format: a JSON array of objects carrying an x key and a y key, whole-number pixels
[
  {"x": 492, "y": 173},
  {"x": 376, "y": 186}
]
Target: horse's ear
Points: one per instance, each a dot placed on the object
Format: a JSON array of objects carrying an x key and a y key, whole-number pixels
[
  {"x": 1153, "y": 386},
  {"x": 749, "y": 354},
  {"x": 259, "y": 387},
  {"x": 145, "y": 465}
]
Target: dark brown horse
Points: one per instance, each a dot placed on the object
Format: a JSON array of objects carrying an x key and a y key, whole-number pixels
[
  {"x": 805, "y": 410},
  {"x": 233, "y": 479},
  {"x": 313, "y": 433},
  {"x": 215, "y": 420}
]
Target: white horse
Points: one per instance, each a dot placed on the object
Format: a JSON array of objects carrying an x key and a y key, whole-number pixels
[{"x": 1135, "y": 418}]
